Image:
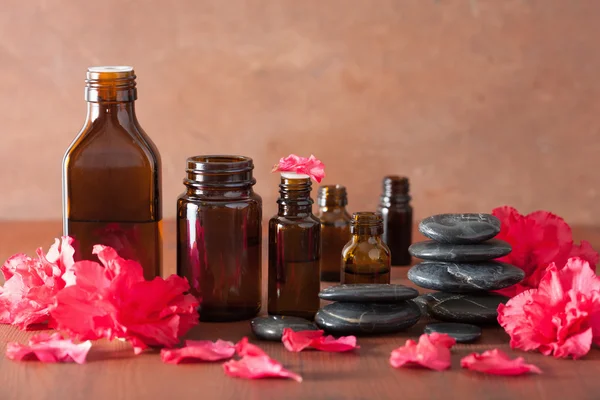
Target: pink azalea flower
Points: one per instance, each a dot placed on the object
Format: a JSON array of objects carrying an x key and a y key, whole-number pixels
[
  {"x": 538, "y": 239},
  {"x": 561, "y": 317},
  {"x": 311, "y": 166}
]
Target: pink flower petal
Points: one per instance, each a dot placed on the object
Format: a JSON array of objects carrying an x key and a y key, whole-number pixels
[
  {"x": 497, "y": 363},
  {"x": 298, "y": 341},
  {"x": 432, "y": 351},
  {"x": 245, "y": 348},
  {"x": 199, "y": 350},
  {"x": 331, "y": 344},
  {"x": 49, "y": 348},
  {"x": 256, "y": 367},
  {"x": 311, "y": 166}
]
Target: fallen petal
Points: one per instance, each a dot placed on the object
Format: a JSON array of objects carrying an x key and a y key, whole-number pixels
[
  {"x": 49, "y": 348},
  {"x": 432, "y": 351},
  {"x": 245, "y": 348},
  {"x": 331, "y": 344},
  {"x": 199, "y": 350},
  {"x": 298, "y": 341},
  {"x": 497, "y": 363},
  {"x": 257, "y": 367}
]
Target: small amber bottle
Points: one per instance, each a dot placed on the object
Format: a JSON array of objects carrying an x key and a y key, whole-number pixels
[
  {"x": 365, "y": 258},
  {"x": 219, "y": 237},
  {"x": 335, "y": 229},
  {"x": 397, "y": 213},
  {"x": 294, "y": 251},
  {"x": 112, "y": 175}
]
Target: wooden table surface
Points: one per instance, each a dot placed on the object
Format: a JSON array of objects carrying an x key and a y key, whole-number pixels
[{"x": 114, "y": 373}]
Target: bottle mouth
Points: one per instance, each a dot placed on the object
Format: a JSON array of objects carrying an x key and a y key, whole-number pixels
[
  {"x": 394, "y": 185},
  {"x": 110, "y": 69},
  {"x": 332, "y": 195},
  {"x": 219, "y": 170},
  {"x": 366, "y": 222},
  {"x": 366, "y": 218},
  {"x": 110, "y": 84}
]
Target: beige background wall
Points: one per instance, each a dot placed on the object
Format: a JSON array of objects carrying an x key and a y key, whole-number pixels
[{"x": 480, "y": 103}]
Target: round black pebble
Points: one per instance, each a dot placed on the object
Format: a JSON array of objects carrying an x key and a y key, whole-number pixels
[
  {"x": 460, "y": 228},
  {"x": 477, "y": 309},
  {"x": 462, "y": 333},
  {"x": 357, "y": 318},
  {"x": 271, "y": 327},
  {"x": 434, "y": 251}
]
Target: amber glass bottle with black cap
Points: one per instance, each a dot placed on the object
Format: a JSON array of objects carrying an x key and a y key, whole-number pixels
[
  {"x": 112, "y": 175},
  {"x": 294, "y": 251},
  {"x": 219, "y": 237},
  {"x": 397, "y": 213},
  {"x": 335, "y": 229},
  {"x": 366, "y": 258}
]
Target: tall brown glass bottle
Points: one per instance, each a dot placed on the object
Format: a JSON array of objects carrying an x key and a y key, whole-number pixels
[
  {"x": 365, "y": 258},
  {"x": 219, "y": 237},
  {"x": 335, "y": 229},
  {"x": 294, "y": 251},
  {"x": 112, "y": 175},
  {"x": 394, "y": 206}
]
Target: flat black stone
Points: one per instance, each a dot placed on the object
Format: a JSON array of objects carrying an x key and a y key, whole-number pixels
[
  {"x": 465, "y": 277},
  {"x": 462, "y": 333},
  {"x": 460, "y": 228},
  {"x": 421, "y": 302},
  {"x": 469, "y": 308},
  {"x": 434, "y": 251},
  {"x": 368, "y": 293},
  {"x": 373, "y": 318},
  {"x": 271, "y": 327}
]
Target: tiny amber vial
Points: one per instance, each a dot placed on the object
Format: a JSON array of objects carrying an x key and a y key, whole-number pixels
[
  {"x": 219, "y": 237},
  {"x": 397, "y": 213},
  {"x": 294, "y": 251},
  {"x": 335, "y": 229},
  {"x": 112, "y": 176},
  {"x": 366, "y": 258}
]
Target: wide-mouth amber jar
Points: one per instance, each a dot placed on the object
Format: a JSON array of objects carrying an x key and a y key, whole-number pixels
[{"x": 219, "y": 236}]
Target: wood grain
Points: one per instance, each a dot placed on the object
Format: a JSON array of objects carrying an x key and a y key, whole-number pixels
[{"x": 114, "y": 373}]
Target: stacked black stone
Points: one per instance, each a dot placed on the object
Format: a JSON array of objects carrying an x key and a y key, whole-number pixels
[
  {"x": 460, "y": 264},
  {"x": 361, "y": 309}
]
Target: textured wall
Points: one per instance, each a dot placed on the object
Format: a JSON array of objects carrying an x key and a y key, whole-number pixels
[{"x": 481, "y": 103}]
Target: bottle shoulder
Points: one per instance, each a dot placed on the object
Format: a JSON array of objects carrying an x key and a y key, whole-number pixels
[
  {"x": 186, "y": 199},
  {"x": 306, "y": 221},
  {"x": 370, "y": 248},
  {"x": 396, "y": 208},
  {"x": 103, "y": 146},
  {"x": 336, "y": 219}
]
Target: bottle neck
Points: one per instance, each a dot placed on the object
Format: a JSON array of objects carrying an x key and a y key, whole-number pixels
[
  {"x": 122, "y": 113},
  {"x": 366, "y": 237},
  {"x": 394, "y": 200},
  {"x": 224, "y": 193},
  {"x": 294, "y": 197},
  {"x": 395, "y": 191},
  {"x": 333, "y": 209}
]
